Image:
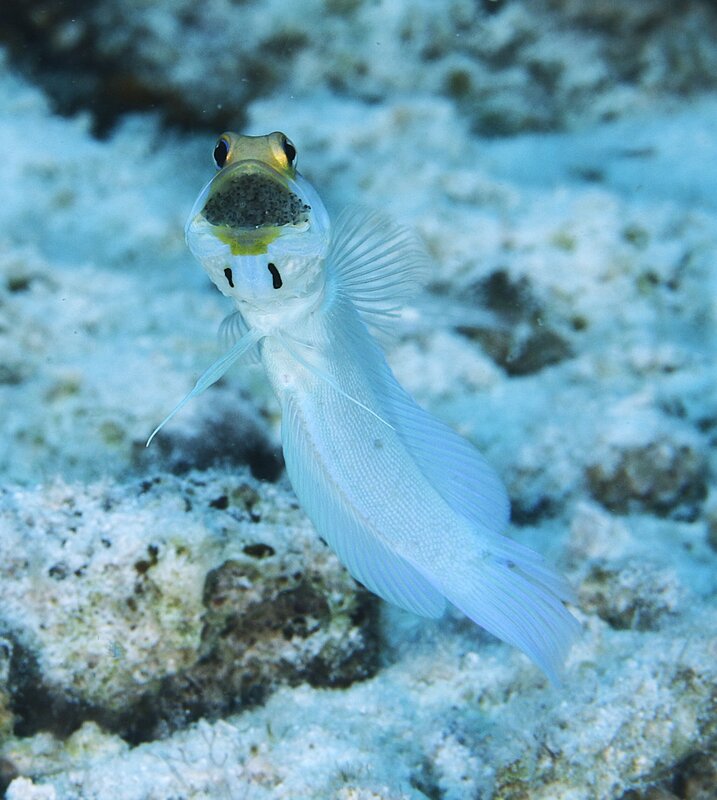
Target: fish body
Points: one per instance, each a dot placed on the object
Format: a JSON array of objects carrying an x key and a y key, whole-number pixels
[
  {"x": 356, "y": 476},
  {"x": 410, "y": 507}
]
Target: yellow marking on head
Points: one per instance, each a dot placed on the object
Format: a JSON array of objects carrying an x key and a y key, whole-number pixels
[
  {"x": 250, "y": 243},
  {"x": 249, "y": 202},
  {"x": 274, "y": 149}
]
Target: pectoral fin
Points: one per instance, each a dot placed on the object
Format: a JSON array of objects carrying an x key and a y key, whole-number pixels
[{"x": 376, "y": 264}]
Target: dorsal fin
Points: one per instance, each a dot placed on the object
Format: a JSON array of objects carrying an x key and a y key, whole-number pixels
[{"x": 376, "y": 264}]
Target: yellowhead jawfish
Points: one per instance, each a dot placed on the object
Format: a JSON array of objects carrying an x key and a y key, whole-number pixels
[{"x": 412, "y": 509}]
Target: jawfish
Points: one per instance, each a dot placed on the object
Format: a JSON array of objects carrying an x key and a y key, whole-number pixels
[{"x": 411, "y": 508}]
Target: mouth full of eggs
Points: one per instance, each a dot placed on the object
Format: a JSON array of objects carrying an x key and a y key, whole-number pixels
[{"x": 251, "y": 207}]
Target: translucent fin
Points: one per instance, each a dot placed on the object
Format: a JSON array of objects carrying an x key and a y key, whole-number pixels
[
  {"x": 376, "y": 264},
  {"x": 212, "y": 375},
  {"x": 511, "y": 592},
  {"x": 326, "y": 377},
  {"x": 452, "y": 465},
  {"x": 500, "y": 584},
  {"x": 232, "y": 328},
  {"x": 356, "y": 543}
]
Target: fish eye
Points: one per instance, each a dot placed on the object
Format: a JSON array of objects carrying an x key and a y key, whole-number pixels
[
  {"x": 289, "y": 151},
  {"x": 221, "y": 151}
]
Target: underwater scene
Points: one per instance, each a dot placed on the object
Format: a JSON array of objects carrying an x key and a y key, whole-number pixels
[{"x": 358, "y": 400}]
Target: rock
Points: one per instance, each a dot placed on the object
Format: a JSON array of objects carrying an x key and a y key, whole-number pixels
[
  {"x": 658, "y": 477},
  {"x": 523, "y": 343},
  {"x": 507, "y": 66},
  {"x": 151, "y": 603},
  {"x": 696, "y": 776},
  {"x": 647, "y": 462},
  {"x": 173, "y": 627},
  {"x": 24, "y": 789},
  {"x": 630, "y": 595},
  {"x": 629, "y": 726},
  {"x": 596, "y": 535}
]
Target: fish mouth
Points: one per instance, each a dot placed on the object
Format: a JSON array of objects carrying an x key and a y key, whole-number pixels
[{"x": 249, "y": 205}]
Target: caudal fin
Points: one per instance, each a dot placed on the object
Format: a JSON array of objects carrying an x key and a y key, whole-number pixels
[{"x": 511, "y": 591}]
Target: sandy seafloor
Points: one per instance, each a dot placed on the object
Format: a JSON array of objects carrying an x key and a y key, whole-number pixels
[{"x": 170, "y": 624}]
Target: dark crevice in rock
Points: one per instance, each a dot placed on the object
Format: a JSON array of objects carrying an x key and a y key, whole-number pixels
[
  {"x": 522, "y": 514},
  {"x": 525, "y": 343},
  {"x": 35, "y": 706},
  {"x": 8, "y": 773},
  {"x": 220, "y": 439},
  {"x": 425, "y": 780},
  {"x": 666, "y": 478},
  {"x": 248, "y": 650}
]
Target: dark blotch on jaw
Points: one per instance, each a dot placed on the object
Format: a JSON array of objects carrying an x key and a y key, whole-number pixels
[
  {"x": 229, "y": 277},
  {"x": 277, "y": 283}
]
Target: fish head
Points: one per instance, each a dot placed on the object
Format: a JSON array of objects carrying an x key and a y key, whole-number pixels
[{"x": 258, "y": 227}]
